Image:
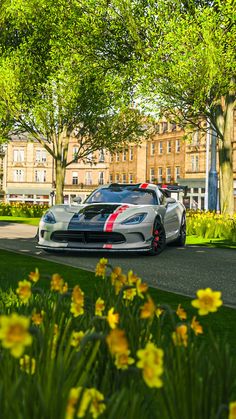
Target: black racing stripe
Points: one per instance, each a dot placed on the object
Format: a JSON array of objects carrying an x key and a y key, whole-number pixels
[{"x": 92, "y": 217}]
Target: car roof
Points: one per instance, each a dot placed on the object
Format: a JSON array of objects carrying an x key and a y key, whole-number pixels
[{"x": 143, "y": 185}]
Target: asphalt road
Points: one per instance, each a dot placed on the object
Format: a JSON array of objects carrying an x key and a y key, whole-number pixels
[{"x": 180, "y": 270}]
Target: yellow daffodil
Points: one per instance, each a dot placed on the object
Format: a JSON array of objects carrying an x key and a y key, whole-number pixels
[
  {"x": 24, "y": 291},
  {"x": 181, "y": 313},
  {"x": 117, "y": 271},
  {"x": 77, "y": 295},
  {"x": 90, "y": 400},
  {"x": 132, "y": 278},
  {"x": 129, "y": 294},
  {"x": 117, "y": 342},
  {"x": 112, "y": 318},
  {"x": 76, "y": 309},
  {"x": 180, "y": 336},
  {"x": 159, "y": 312},
  {"x": 77, "y": 301},
  {"x": 34, "y": 276},
  {"x": 148, "y": 309},
  {"x": 101, "y": 268},
  {"x": 97, "y": 406},
  {"x": 27, "y": 364},
  {"x": 55, "y": 337},
  {"x": 99, "y": 307},
  {"x": 76, "y": 338},
  {"x": 123, "y": 360},
  {"x": 151, "y": 363},
  {"x": 232, "y": 410},
  {"x": 57, "y": 283},
  {"x": 64, "y": 288},
  {"x": 195, "y": 325},
  {"x": 37, "y": 318},
  {"x": 72, "y": 402},
  {"x": 208, "y": 301},
  {"x": 141, "y": 287},
  {"x": 14, "y": 333}
]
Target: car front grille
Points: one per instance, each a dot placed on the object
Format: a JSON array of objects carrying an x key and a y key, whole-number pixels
[{"x": 87, "y": 237}]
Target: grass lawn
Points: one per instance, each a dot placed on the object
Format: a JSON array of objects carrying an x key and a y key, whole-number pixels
[
  {"x": 15, "y": 267},
  {"x": 24, "y": 220}
]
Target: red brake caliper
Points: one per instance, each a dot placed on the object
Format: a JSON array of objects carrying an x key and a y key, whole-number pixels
[{"x": 156, "y": 238}]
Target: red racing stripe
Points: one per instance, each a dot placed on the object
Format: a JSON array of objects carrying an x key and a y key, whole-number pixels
[
  {"x": 143, "y": 185},
  {"x": 112, "y": 218}
]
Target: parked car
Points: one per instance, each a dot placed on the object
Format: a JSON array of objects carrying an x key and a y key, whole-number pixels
[{"x": 116, "y": 218}]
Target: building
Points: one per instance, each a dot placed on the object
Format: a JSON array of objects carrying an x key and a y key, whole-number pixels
[
  {"x": 169, "y": 156},
  {"x": 29, "y": 173}
]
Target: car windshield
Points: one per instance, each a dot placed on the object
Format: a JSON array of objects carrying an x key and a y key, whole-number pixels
[{"x": 127, "y": 195}]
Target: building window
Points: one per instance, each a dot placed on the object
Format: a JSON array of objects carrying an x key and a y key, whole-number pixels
[
  {"x": 101, "y": 157},
  {"x": 18, "y": 175},
  {"x": 123, "y": 178},
  {"x": 40, "y": 176},
  {"x": 131, "y": 178},
  {"x": 168, "y": 146},
  {"x": 164, "y": 126},
  {"x": 131, "y": 153},
  {"x": 117, "y": 177},
  {"x": 152, "y": 149},
  {"x": 195, "y": 163},
  {"x": 75, "y": 152},
  {"x": 160, "y": 177},
  {"x": 111, "y": 178},
  {"x": 88, "y": 178},
  {"x": 177, "y": 173},
  {"x": 152, "y": 174},
  {"x": 173, "y": 126},
  {"x": 90, "y": 158},
  {"x": 75, "y": 178},
  {"x": 41, "y": 156},
  {"x": 177, "y": 146},
  {"x": 195, "y": 138},
  {"x": 160, "y": 150},
  {"x": 111, "y": 157},
  {"x": 117, "y": 157},
  {"x": 101, "y": 178},
  {"x": 168, "y": 174},
  {"x": 18, "y": 155},
  {"x": 124, "y": 155}
]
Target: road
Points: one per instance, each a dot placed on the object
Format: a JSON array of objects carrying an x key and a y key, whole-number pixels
[{"x": 180, "y": 270}]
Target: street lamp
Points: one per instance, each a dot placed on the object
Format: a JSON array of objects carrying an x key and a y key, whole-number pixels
[{"x": 213, "y": 178}]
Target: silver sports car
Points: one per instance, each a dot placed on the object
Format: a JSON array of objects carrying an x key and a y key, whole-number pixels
[{"x": 116, "y": 217}]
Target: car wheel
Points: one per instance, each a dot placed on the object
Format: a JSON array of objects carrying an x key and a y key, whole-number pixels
[
  {"x": 159, "y": 239},
  {"x": 182, "y": 233}
]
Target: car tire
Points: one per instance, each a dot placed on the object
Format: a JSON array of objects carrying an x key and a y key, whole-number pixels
[
  {"x": 159, "y": 239},
  {"x": 182, "y": 233}
]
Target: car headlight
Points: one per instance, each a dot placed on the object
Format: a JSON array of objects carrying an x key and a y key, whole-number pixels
[
  {"x": 135, "y": 219},
  {"x": 49, "y": 218}
]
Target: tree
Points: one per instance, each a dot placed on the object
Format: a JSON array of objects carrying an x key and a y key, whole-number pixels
[
  {"x": 64, "y": 72},
  {"x": 188, "y": 70}
]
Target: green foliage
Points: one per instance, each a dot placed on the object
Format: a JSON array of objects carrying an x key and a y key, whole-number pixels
[
  {"x": 22, "y": 210},
  {"x": 198, "y": 380},
  {"x": 211, "y": 225}
]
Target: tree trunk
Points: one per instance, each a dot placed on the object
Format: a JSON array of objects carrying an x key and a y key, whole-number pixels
[
  {"x": 226, "y": 164},
  {"x": 60, "y": 181}
]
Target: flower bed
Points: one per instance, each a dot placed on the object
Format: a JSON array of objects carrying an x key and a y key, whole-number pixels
[
  {"x": 112, "y": 354},
  {"x": 22, "y": 210},
  {"x": 211, "y": 225}
]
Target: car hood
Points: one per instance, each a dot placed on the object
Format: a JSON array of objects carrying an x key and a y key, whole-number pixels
[{"x": 100, "y": 216}]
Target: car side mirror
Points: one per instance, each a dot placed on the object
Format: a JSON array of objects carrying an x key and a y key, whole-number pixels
[
  {"x": 77, "y": 200},
  {"x": 170, "y": 200}
]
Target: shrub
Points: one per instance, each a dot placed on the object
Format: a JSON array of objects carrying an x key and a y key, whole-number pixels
[
  {"x": 112, "y": 354},
  {"x": 18, "y": 209}
]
